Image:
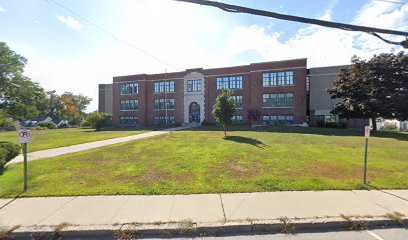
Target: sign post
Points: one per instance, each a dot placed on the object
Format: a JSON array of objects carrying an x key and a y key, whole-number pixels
[
  {"x": 366, "y": 135},
  {"x": 24, "y": 137}
]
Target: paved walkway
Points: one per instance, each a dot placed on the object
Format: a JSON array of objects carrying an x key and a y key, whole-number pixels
[
  {"x": 86, "y": 146},
  {"x": 202, "y": 208}
]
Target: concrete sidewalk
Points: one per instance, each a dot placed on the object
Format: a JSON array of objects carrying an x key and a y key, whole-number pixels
[
  {"x": 86, "y": 146},
  {"x": 85, "y": 211}
]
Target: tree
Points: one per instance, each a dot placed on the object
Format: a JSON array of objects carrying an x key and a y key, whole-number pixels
[
  {"x": 98, "y": 120},
  {"x": 19, "y": 96},
  {"x": 253, "y": 115},
  {"x": 73, "y": 106},
  {"x": 374, "y": 88},
  {"x": 224, "y": 108}
]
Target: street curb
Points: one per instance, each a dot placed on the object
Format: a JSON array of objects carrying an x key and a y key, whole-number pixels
[{"x": 190, "y": 229}]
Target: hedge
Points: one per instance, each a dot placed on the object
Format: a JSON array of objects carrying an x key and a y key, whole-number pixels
[{"x": 8, "y": 151}]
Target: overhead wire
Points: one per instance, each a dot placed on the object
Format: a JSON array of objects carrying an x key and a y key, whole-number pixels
[
  {"x": 113, "y": 36},
  {"x": 343, "y": 26}
]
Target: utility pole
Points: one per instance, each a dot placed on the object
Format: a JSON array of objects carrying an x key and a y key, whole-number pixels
[{"x": 165, "y": 95}]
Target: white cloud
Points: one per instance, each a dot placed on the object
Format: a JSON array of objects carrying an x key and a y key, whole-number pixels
[
  {"x": 37, "y": 21},
  {"x": 323, "y": 46},
  {"x": 70, "y": 21},
  {"x": 2, "y": 9}
]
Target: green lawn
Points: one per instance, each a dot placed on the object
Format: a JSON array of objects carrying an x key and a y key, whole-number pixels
[
  {"x": 52, "y": 138},
  {"x": 201, "y": 160}
]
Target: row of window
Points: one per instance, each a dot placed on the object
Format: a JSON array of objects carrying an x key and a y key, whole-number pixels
[
  {"x": 229, "y": 82},
  {"x": 277, "y": 79},
  {"x": 164, "y": 86},
  {"x": 163, "y": 120},
  {"x": 160, "y": 104},
  {"x": 194, "y": 86},
  {"x": 277, "y": 119},
  {"x": 128, "y": 120},
  {"x": 268, "y": 100},
  {"x": 233, "y": 82},
  {"x": 129, "y": 104},
  {"x": 237, "y": 119},
  {"x": 129, "y": 88},
  {"x": 277, "y": 100}
]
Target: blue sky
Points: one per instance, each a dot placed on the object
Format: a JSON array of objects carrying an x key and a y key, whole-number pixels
[{"x": 67, "y": 53}]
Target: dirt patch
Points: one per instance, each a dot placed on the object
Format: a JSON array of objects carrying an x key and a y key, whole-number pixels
[{"x": 237, "y": 170}]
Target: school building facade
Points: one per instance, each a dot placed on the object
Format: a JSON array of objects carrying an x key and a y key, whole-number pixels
[{"x": 277, "y": 88}]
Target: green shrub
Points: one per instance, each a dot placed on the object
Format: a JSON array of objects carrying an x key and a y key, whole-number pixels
[
  {"x": 8, "y": 151},
  {"x": 389, "y": 126},
  {"x": 6, "y": 124},
  {"x": 85, "y": 124},
  {"x": 49, "y": 125},
  {"x": 63, "y": 125},
  {"x": 39, "y": 128},
  {"x": 98, "y": 120}
]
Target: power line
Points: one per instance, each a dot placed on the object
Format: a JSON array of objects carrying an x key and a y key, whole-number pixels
[
  {"x": 342, "y": 26},
  {"x": 395, "y": 2},
  {"x": 113, "y": 36}
]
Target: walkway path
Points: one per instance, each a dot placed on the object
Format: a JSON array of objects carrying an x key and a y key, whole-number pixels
[
  {"x": 86, "y": 146},
  {"x": 201, "y": 208}
]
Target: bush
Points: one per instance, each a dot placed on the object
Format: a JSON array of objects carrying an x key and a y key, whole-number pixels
[
  {"x": 63, "y": 125},
  {"x": 49, "y": 125},
  {"x": 331, "y": 124},
  {"x": 390, "y": 126},
  {"x": 98, "y": 120},
  {"x": 6, "y": 124},
  {"x": 8, "y": 151},
  {"x": 39, "y": 128},
  {"x": 85, "y": 124}
]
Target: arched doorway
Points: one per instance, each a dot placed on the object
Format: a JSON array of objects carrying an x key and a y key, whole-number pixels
[{"x": 194, "y": 112}]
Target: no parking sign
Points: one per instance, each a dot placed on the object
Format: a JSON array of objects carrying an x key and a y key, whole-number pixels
[{"x": 24, "y": 136}]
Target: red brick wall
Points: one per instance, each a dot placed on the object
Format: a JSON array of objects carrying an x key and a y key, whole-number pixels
[{"x": 252, "y": 91}]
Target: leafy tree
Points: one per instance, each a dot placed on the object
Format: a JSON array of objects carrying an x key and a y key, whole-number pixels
[
  {"x": 19, "y": 96},
  {"x": 374, "y": 88},
  {"x": 98, "y": 120},
  {"x": 253, "y": 115},
  {"x": 224, "y": 108},
  {"x": 73, "y": 106}
]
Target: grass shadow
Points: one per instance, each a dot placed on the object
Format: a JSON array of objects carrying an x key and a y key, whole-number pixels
[
  {"x": 246, "y": 140},
  {"x": 306, "y": 130}
]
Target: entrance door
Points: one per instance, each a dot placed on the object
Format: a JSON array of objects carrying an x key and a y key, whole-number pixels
[{"x": 194, "y": 112}]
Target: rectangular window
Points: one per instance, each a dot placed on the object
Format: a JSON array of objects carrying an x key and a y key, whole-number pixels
[
  {"x": 238, "y": 101},
  {"x": 162, "y": 120},
  {"x": 277, "y": 119},
  {"x": 277, "y": 79},
  {"x": 277, "y": 100},
  {"x": 129, "y": 88},
  {"x": 128, "y": 120},
  {"x": 160, "y": 104},
  {"x": 237, "y": 119},
  {"x": 129, "y": 105},
  {"x": 194, "y": 85},
  {"x": 289, "y": 78},
  {"x": 164, "y": 86},
  {"x": 229, "y": 82}
]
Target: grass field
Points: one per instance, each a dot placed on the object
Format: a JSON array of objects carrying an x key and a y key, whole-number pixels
[
  {"x": 201, "y": 160},
  {"x": 52, "y": 138}
]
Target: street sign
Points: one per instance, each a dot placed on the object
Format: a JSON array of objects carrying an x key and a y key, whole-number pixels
[
  {"x": 24, "y": 136},
  {"x": 367, "y": 132}
]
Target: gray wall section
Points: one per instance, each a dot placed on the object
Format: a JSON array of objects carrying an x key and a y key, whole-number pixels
[
  {"x": 106, "y": 98},
  {"x": 320, "y": 80}
]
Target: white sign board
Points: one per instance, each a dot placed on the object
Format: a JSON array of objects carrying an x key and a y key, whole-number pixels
[
  {"x": 24, "y": 136},
  {"x": 367, "y": 132}
]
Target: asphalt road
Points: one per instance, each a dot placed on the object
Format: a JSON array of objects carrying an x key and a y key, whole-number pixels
[{"x": 374, "y": 234}]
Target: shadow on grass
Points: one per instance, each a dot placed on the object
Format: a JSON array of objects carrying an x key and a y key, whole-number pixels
[
  {"x": 305, "y": 130},
  {"x": 245, "y": 140}
]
